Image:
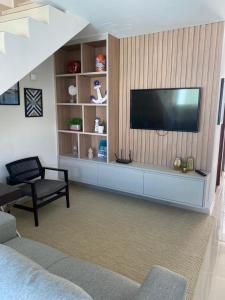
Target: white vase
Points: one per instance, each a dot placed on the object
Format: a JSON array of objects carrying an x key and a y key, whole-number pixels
[
  {"x": 100, "y": 129},
  {"x": 75, "y": 127}
]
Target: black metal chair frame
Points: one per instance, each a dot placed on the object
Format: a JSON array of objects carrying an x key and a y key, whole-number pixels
[{"x": 14, "y": 180}]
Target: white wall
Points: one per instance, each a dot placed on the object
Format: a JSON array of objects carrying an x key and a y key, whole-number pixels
[{"x": 21, "y": 137}]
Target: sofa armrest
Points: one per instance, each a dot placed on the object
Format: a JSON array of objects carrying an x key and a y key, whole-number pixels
[
  {"x": 162, "y": 284},
  {"x": 7, "y": 227}
]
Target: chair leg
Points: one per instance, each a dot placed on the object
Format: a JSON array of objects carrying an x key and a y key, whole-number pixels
[
  {"x": 67, "y": 197},
  {"x": 36, "y": 221}
]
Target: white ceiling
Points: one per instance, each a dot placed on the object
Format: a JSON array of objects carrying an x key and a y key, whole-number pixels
[{"x": 131, "y": 17}]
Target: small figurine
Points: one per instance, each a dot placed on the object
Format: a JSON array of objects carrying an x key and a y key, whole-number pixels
[
  {"x": 100, "y": 99},
  {"x": 90, "y": 153},
  {"x": 75, "y": 150},
  {"x": 97, "y": 120},
  {"x": 100, "y": 63}
]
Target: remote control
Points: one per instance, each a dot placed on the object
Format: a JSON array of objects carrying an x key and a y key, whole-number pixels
[{"x": 201, "y": 173}]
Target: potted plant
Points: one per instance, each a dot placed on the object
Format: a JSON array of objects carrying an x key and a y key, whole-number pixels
[
  {"x": 75, "y": 124},
  {"x": 102, "y": 127}
]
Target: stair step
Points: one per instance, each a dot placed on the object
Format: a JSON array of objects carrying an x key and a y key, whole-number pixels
[
  {"x": 21, "y": 8},
  {"x": 18, "y": 27},
  {"x": 21, "y": 2},
  {"x": 39, "y": 13}
]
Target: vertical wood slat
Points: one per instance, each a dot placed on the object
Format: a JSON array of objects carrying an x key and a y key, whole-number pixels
[{"x": 185, "y": 57}]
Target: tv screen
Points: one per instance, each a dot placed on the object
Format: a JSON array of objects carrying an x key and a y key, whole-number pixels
[{"x": 173, "y": 109}]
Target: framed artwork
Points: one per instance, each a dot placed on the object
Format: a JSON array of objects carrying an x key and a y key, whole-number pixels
[
  {"x": 221, "y": 103},
  {"x": 33, "y": 103},
  {"x": 12, "y": 96}
]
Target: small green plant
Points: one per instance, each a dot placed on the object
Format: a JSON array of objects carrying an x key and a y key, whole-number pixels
[
  {"x": 74, "y": 121},
  {"x": 103, "y": 123}
]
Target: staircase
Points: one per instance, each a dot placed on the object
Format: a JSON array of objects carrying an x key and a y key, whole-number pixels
[{"x": 29, "y": 34}]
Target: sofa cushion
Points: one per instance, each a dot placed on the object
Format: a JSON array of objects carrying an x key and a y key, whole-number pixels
[
  {"x": 38, "y": 252},
  {"x": 7, "y": 227},
  {"x": 22, "y": 279},
  {"x": 100, "y": 283}
]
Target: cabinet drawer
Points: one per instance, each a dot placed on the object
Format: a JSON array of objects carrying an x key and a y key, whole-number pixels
[
  {"x": 174, "y": 188},
  {"x": 120, "y": 178},
  {"x": 81, "y": 171}
]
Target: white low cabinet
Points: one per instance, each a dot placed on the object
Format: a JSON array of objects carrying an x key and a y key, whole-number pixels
[
  {"x": 181, "y": 189},
  {"x": 80, "y": 170},
  {"x": 122, "y": 179},
  {"x": 144, "y": 180}
]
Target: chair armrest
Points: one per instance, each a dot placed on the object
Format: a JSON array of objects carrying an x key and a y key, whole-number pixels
[
  {"x": 12, "y": 180},
  {"x": 7, "y": 227},
  {"x": 58, "y": 170},
  {"x": 161, "y": 284}
]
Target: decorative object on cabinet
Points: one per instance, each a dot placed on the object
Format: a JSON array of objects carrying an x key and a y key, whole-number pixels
[
  {"x": 177, "y": 163},
  {"x": 74, "y": 66},
  {"x": 221, "y": 103},
  {"x": 33, "y": 102},
  {"x": 102, "y": 149},
  {"x": 99, "y": 99},
  {"x": 12, "y": 96},
  {"x": 90, "y": 153},
  {"x": 190, "y": 163},
  {"x": 100, "y": 63},
  {"x": 72, "y": 90},
  {"x": 75, "y": 124},
  {"x": 122, "y": 160}
]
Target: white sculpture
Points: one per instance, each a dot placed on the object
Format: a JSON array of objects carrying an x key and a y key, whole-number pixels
[
  {"x": 72, "y": 90},
  {"x": 100, "y": 99},
  {"x": 90, "y": 153}
]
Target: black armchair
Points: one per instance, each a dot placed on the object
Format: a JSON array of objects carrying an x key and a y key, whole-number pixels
[{"x": 31, "y": 175}]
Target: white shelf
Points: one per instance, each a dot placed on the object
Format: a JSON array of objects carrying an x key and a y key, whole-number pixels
[
  {"x": 82, "y": 132},
  {"x": 82, "y": 74},
  {"x": 81, "y": 104}
]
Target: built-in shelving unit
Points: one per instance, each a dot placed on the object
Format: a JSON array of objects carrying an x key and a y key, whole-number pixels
[{"x": 83, "y": 108}]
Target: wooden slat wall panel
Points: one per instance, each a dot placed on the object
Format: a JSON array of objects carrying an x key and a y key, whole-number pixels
[{"x": 187, "y": 57}]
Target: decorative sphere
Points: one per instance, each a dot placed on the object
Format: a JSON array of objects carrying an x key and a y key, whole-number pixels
[{"x": 74, "y": 66}]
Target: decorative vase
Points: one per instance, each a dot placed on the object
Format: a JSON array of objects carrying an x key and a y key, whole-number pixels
[
  {"x": 100, "y": 129},
  {"x": 177, "y": 163},
  {"x": 190, "y": 163},
  {"x": 75, "y": 127}
]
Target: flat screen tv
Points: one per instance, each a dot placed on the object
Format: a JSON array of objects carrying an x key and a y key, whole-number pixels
[{"x": 173, "y": 109}]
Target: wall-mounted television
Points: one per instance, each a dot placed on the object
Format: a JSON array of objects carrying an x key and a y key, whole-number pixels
[{"x": 169, "y": 109}]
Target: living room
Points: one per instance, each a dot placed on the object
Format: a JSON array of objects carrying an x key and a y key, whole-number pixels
[{"x": 124, "y": 117}]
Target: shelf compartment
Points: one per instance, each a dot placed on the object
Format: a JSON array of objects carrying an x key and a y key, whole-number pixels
[
  {"x": 86, "y": 87},
  {"x": 67, "y": 143},
  {"x": 90, "y": 114},
  {"x": 62, "y": 84},
  {"x": 87, "y": 141},
  {"x": 64, "y": 55},
  {"x": 68, "y": 112},
  {"x": 89, "y": 52}
]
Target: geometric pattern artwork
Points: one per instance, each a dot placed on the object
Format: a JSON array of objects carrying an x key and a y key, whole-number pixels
[{"x": 33, "y": 102}]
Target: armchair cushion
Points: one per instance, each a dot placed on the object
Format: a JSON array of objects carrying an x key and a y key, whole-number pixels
[
  {"x": 44, "y": 187},
  {"x": 21, "y": 278}
]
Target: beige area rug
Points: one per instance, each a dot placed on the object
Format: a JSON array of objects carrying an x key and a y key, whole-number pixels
[{"x": 124, "y": 234}]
